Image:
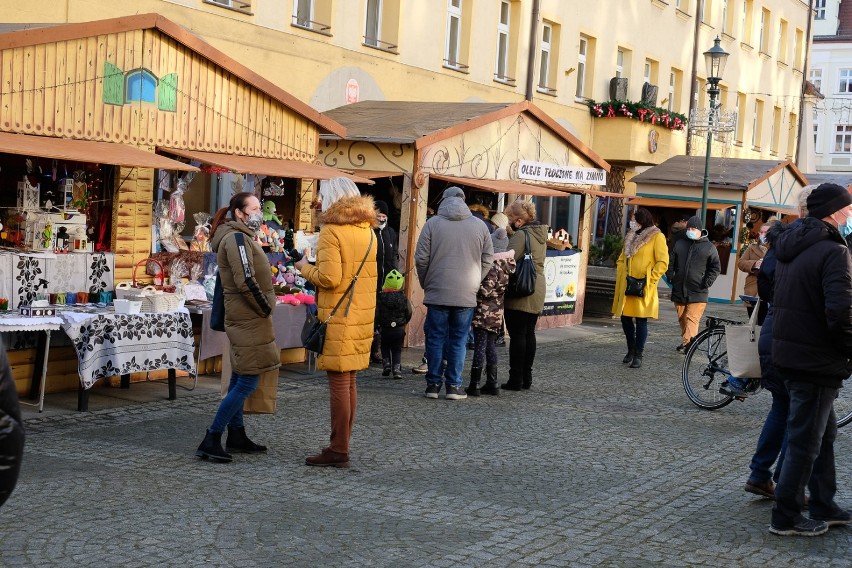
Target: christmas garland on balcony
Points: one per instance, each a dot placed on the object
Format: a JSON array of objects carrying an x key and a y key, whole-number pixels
[{"x": 638, "y": 111}]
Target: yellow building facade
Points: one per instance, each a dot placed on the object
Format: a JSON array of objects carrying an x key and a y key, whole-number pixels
[{"x": 330, "y": 52}]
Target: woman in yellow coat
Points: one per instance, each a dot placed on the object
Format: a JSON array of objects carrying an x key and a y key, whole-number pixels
[
  {"x": 645, "y": 255},
  {"x": 346, "y": 240}
]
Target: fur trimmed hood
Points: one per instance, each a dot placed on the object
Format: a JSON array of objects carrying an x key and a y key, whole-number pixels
[
  {"x": 633, "y": 241},
  {"x": 351, "y": 211}
]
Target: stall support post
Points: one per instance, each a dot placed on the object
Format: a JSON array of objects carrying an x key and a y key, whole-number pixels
[
  {"x": 173, "y": 384},
  {"x": 713, "y": 91}
]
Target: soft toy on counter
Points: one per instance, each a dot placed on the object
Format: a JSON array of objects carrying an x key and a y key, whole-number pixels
[
  {"x": 297, "y": 299},
  {"x": 269, "y": 213}
]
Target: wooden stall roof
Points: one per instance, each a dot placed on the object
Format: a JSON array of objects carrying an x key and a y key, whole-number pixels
[
  {"x": 425, "y": 123},
  {"x": 66, "y": 32},
  {"x": 725, "y": 173},
  {"x": 265, "y": 166},
  {"x": 673, "y": 203},
  {"x": 87, "y": 151},
  {"x": 843, "y": 179},
  {"x": 521, "y": 188}
]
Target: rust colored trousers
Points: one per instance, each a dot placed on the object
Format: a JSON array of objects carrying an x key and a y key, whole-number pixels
[
  {"x": 343, "y": 398},
  {"x": 689, "y": 316}
]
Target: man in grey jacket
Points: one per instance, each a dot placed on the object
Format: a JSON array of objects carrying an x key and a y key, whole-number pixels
[{"x": 454, "y": 253}]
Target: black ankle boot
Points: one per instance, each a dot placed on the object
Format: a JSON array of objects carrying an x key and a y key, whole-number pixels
[
  {"x": 211, "y": 448},
  {"x": 386, "y": 367},
  {"x": 239, "y": 442},
  {"x": 637, "y": 360},
  {"x": 490, "y": 381},
  {"x": 527, "y": 384},
  {"x": 631, "y": 350},
  {"x": 475, "y": 376},
  {"x": 513, "y": 384},
  {"x": 397, "y": 371}
]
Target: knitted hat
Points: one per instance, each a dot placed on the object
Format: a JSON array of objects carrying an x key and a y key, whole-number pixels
[
  {"x": 695, "y": 223},
  {"x": 382, "y": 207},
  {"x": 394, "y": 280},
  {"x": 500, "y": 220},
  {"x": 826, "y": 199},
  {"x": 499, "y": 239}
]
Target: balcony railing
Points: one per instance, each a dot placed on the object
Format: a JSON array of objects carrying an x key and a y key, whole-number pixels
[
  {"x": 505, "y": 79},
  {"x": 377, "y": 43},
  {"x": 311, "y": 25},
  {"x": 456, "y": 66}
]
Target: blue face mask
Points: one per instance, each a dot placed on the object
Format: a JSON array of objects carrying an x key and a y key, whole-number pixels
[{"x": 846, "y": 228}]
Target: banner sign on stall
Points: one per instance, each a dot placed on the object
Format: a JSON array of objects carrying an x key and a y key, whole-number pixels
[
  {"x": 562, "y": 276},
  {"x": 554, "y": 173}
]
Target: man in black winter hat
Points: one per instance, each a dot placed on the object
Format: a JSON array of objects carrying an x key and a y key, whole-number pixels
[{"x": 811, "y": 350}]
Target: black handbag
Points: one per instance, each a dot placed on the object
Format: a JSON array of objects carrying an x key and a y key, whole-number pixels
[
  {"x": 217, "y": 313},
  {"x": 313, "y": 330},
  {"x": 635, "y": 286},
  {"x": 522, "y": 281}
]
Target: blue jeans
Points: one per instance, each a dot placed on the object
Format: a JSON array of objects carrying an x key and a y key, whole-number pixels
[
  {"x": 772, "y": 442},
  {"x": 230, "y": 411},
  {"x": 446, "y": 330},
  {"x": 809, "y": 460}
]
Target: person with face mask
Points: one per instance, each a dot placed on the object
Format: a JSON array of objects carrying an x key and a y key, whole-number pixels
[
  {"x": 693, "y": 268},
  {"x": 750, "y": 263},
  {"x": 249, "y": 303},
  {"x": 811, "y": 350},
  {"x": 386, "y": 255}
]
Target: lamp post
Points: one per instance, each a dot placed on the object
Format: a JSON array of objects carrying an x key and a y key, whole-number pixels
[{"x": 715, "y": 59}]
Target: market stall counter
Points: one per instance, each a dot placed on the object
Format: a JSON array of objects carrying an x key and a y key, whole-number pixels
[{"x": 12, "y": 322}]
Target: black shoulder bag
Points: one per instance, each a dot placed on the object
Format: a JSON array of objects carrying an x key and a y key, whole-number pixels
[
  {"x": 635, "y": 286},
  {"x": 313, "y": 330},
  {"x": 522, "y": 281}
]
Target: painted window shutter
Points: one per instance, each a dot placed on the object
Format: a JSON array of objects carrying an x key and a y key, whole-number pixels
[
  {"x": 167, "y": 97},
  {"x": 113, "y": 84}
]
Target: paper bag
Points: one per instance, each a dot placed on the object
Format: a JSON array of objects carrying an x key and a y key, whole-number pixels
[{"x": 264, "y": 399}]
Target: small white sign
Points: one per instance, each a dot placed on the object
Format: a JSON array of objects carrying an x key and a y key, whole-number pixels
[{"x": 555, "y": 173}]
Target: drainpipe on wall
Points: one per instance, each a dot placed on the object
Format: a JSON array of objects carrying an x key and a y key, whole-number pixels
[
  {"x": 536, "y": 14},
  {"x": 693, "y": 85},
  {"x": 804, "y": 82}
]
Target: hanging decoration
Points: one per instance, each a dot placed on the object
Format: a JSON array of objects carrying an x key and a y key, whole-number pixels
[{"x": 638, "y": 111}]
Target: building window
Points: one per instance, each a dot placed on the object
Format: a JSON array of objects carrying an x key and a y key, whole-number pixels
[
  {"x": 381, "y": 25},
  {"x": 452, "y": 51},
  {"x": 619, "y": 63},
  {"x": 775, "y": 134},
  {"x": 741, "y": 110},
  {"x": 745, "y": 21},
  {"x": 726, "y": 26},
  {"x": 816, "y": 79},
  {"x": 817, "y": 138},
  {"x": 763, "y": 40},
  {"x": 797, "y": 49},
  {"x": 845, "y": 85},
  {"x": 791, "y": 136},
  {"x": 757, "y": 124},
  {"x": 373, "y": 29},
  {"x": 312, "y": 15},
  {"x": 782, "y": 41},
  {"x": 819, "y": 10},
  {"x": 581, "y": 68},
  {"x": 647, "y": 74},
  {"x": 503, "y": 40},
  {"x": 141, "y": 86},
  {"x": 706, "y": 9},
  {"x": 239, "y": 5},
  {"x": 843, "y": 139},
  {"x": 547, "y": 58}
]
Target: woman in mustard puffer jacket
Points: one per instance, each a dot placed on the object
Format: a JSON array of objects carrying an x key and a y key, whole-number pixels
[{"x": 346, "y": 240}]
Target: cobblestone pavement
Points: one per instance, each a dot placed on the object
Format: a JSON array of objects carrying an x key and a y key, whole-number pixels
[{"x": 596, "y": 465}]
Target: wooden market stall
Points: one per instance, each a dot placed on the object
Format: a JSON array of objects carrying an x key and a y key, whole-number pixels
[
  {"x": 741, "y": 193},
  {"x": 490, "y": 150},
  {"x": 119, "y": 91}
]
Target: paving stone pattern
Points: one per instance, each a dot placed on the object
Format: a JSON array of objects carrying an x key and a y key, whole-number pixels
[{"x": 597, "y": 465}]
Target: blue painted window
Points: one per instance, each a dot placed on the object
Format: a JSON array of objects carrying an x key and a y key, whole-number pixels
[{"x": 141, "y": 86}]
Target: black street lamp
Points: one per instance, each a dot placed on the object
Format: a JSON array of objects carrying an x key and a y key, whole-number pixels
[{"x": 715, "y": 59}]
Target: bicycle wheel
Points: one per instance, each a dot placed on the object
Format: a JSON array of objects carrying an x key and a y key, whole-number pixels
[
  {"x": 843, "y": 406},
  {"x": 705, "y": 368}
]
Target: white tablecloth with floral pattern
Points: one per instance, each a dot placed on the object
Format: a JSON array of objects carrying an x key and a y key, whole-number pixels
[{"x": 111, "y": 344}]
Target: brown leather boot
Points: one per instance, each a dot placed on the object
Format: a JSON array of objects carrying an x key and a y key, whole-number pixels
[{"x": 328, "y": 458}]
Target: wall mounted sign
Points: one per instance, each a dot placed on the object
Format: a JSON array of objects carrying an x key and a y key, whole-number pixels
[
  {"x": 653, "y": 139},
  {"x": 353, "y": 91},
  {"x": 554, "y": 173}
]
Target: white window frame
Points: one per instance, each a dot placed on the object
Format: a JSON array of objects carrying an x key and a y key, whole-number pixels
[
  {"x": 844, "y": 81},
  {"x": 819, "y": 9},
  {"x": 738, "y": 117},
  {"x": 544, "y": 60},
  {"x": 375, "y": 41},
  {"x": 755, "y": 139},
  {"x": 582, "y": 52},
  {"x": 762, "y": 30},
  {"x": 703, "y": 13},
  {"x": 782, "y": 57},
  {"x": 817, "y": 134},
  {"x": 503, "y": 29},
  {"x": 299, "y": 3},
  {"x": 648, "y": 71},
  {"x": 816, "y": 78},
  {"x": 842, "y": 134},
  {"x": 724, "y": 16},
  {"x": 619, "y": 63},
  {"x": 454, "y": 12},
  {"x": 672, "y": 81}
]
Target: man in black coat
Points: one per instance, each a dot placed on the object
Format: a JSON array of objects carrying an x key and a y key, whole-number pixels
[
  {"x": 693, "y": 267},
  {"x": 11, "y": 430},
  {"x": 811, "y": 349},
  {"x": 386, "y": 253}
]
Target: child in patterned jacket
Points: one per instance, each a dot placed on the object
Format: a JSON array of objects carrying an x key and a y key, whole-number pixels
[{"x": 488, "y": 316}]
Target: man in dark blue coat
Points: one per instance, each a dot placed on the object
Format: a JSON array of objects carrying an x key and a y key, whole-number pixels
[{"x": 811, "y": 349}]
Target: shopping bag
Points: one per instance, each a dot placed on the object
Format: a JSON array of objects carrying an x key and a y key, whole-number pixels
[
  {"x": 264, "y": 399},
  {"x": 743, "y": 357}
]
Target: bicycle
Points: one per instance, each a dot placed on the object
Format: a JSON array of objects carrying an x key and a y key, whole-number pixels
[{"x": 705, "y": 369}]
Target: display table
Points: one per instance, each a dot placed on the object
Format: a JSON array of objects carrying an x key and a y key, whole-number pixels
[
  {"x": 10, "y": 322},
  {"x": 110, "y": 344},
  {"x": 286, "y": 323}
]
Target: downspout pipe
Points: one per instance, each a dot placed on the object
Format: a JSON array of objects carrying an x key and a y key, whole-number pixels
[
  {"x": 693, "y": 82},
  {"x": 536, "y": 15},
  {"x": 804, "y": 82}
]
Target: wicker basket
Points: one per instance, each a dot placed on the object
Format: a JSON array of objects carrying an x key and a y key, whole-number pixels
[{"x": 135, "y": 288}]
